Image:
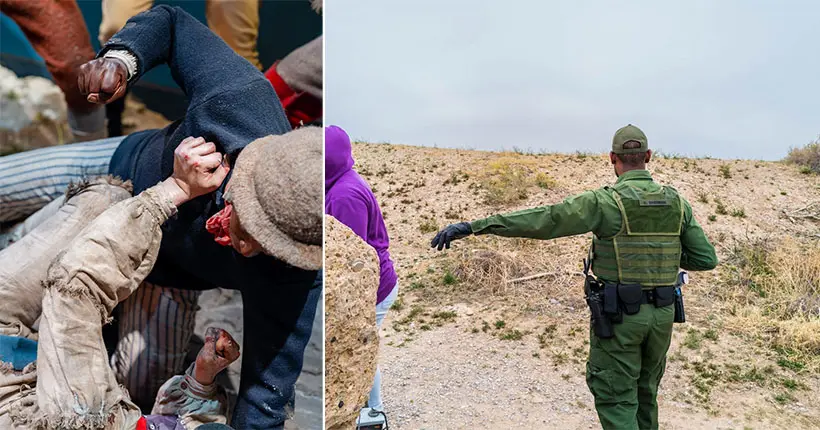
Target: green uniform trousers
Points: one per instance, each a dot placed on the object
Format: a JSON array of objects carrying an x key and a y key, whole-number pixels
[{"x": 623, "y": 373}]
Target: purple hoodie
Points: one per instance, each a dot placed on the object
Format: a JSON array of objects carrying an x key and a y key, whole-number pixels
[{"x": 349, "y": 199}]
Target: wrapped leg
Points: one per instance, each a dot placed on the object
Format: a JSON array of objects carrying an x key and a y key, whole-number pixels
[
  {"x": 102, "y": 266},
  {"x": 23, "y": 266}
]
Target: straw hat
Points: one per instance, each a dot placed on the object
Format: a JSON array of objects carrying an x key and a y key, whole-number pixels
[{"x": 277, "y": 193}]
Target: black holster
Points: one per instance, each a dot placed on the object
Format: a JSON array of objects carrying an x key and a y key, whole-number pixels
[
  {"x": 680, "y": 315},
  {"x": 601, "y": 324}
]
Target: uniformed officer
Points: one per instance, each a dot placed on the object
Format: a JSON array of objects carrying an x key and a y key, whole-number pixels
[{"x": 643, "y": 233}]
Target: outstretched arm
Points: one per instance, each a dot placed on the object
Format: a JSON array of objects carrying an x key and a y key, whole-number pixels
[
  {"x": 578, "y": 214},
  {"x": 575, "y": 215}
]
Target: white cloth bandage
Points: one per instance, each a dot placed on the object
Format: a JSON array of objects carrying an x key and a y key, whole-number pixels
[{"x": 126, "y": 57}]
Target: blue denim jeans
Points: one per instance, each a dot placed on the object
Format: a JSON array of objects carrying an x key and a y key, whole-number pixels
[
  {"x": 277, "y": 330},
  {"x": 375, "y": 399}
]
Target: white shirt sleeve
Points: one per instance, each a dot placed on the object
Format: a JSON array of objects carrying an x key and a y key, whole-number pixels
[{"x": 126, "y": 57}]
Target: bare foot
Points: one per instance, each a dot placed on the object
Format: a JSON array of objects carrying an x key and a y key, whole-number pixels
[{"x": 219, "y": 351}]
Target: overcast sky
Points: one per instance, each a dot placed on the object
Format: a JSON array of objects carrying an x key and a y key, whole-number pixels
[{"x": 728, "y": 78}]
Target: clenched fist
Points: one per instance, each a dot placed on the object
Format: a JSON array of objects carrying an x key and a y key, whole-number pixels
[
  {"x": 219, "y": 351},
  {"x": 103, "y": 80},
  {"x": 198, "y": 169}
]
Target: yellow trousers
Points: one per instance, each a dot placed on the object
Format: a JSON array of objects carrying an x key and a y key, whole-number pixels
[{"x": 235, "y": 21}]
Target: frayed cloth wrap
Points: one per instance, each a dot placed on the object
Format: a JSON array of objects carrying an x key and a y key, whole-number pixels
[{"x": 101, "y": 266}]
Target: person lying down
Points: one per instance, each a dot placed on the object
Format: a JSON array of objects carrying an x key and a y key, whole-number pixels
[{"x": 54, "y": 371}]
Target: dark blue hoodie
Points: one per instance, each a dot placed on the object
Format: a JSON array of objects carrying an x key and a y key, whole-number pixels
[{"x": 231, "y": 104}]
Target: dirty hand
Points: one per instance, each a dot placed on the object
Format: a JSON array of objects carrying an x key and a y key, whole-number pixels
[
  {"x": 219, "y": 351},
  {"x": 198, "y": 169},
  {"x": 103, "y": 80},
  {"x": 450, "y": 233}
]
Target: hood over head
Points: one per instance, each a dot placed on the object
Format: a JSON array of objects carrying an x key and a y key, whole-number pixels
[{"x": 338, "y": 155}]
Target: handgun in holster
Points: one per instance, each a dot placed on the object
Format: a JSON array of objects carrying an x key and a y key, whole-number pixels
[
  {"x": 601, "y": 324},
  {"x": 680, "y": 315}
]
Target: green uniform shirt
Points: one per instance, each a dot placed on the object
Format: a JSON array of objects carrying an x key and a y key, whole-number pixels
[{"x": 596, "y": 212}]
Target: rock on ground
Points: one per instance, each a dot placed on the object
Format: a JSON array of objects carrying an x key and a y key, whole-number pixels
[
  {"x": 34, "y": 113},
  {"x": 351, "y": 339}
]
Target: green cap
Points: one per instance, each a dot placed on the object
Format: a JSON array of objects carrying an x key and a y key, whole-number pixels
[{"x": 630, "y": 133}]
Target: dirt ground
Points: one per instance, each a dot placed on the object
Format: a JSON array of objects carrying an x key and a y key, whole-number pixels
[{"x": 464, "y": 356}]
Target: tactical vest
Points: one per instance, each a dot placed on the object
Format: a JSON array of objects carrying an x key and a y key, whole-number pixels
[{"x": 647, "y": 249}]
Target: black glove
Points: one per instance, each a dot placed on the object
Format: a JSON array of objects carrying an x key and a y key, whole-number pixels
[{"x": 450, "y": 233}]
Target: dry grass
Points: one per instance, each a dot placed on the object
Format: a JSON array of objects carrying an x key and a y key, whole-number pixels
[
  {"x": 807, "y": 157},
  {"x": 486, "y": 267},
  {"x": 772, "y": 292},
  {"x": 734, "y": 327},
  {"x": 508, "y": 180}
]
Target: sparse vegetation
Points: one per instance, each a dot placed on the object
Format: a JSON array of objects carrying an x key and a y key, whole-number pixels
[
  {"x": 772, "y": 291},
  {"x": 806, "y": 158},
  {"x": 428, "y": 225},
  {"x": 754, "y": 320},
  {"x": 725, "y": 171},
  {"x": 416, "y": 285},
  {"x": 693, "y": 339},
  {"x": 511, "y": 335},
  {"x": 415, "y": 311},
  {"x": 445, "y": 315},
  {"x": 544, "y": 181},
  {"x": 456, "y": 178},
  {"x": 720, "y": 208},
  {"x": 784, "y": 398},
  {"x": 508, "y": 180}
]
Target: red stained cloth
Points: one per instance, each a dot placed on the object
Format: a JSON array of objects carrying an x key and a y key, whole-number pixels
[
  {"x": 219, "y": 225},
  {"x": 300, "y": 107}
]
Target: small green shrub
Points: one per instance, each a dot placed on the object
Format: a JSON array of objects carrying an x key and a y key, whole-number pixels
[
  {"x": 544, "y": 181},
  {"x": 511, "y": 335},
  {"x": 428, "y": 225},
  {"x": 445, "y": 315},
  {"x": 725, "y": 171},
  {"x": 720, "y": 208},
  {"x": 693, "y": 339}
]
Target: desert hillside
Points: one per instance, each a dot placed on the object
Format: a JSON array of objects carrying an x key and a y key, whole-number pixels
[{"x": 465, "y": 347}]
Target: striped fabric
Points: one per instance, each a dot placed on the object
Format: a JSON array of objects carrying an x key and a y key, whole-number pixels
[
  {"x": 155, "y": 326},
  {"x": 30, "y": 180}
]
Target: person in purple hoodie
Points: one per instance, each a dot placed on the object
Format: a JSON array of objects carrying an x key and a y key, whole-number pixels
[{"x": 349, "y": 199}]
